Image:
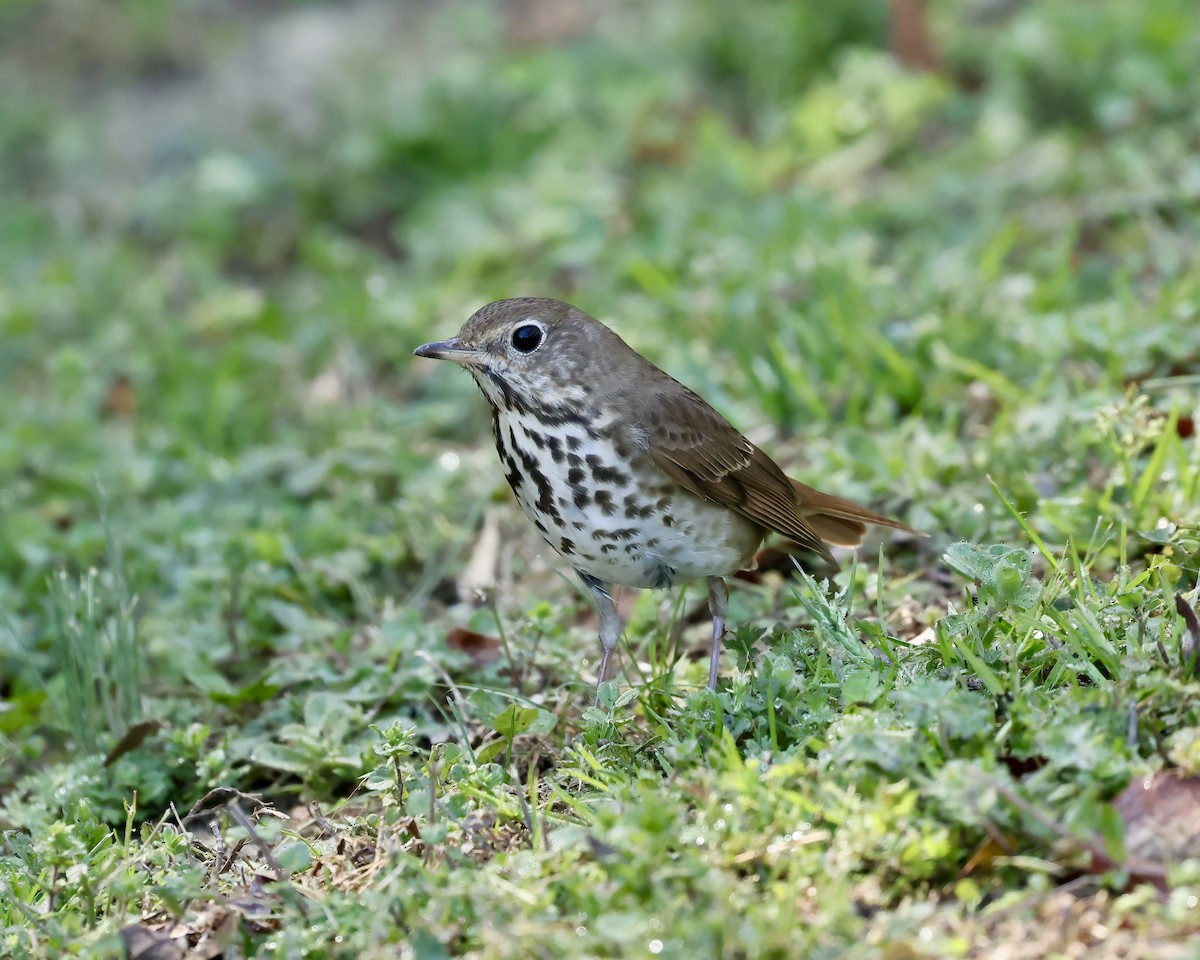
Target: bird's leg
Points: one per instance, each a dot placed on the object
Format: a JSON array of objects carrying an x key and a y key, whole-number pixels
[
  {"x": 610, "y": 622},
  {"x": 718, "y": 606}
]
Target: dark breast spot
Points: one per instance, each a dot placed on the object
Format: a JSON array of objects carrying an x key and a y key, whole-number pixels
[
  {"x": 574, "y": 476},
  {"x": 566, "y": 546},
  {"x": 496, "y": 433},
  {"x": 511, "y": 473},
  {"x": 604, "y": 500},
  {"x": 604, "y": 474},
  {"x": 621, "y": 533},
  {"x": 545, "y": 501},
  {"x": 561, "y": 414},
  {"x": 634, "y": 510}
]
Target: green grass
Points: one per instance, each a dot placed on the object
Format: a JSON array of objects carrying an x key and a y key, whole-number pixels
[{"x": 233, "y": 509}]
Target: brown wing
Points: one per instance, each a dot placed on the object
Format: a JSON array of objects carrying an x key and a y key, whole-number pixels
[
  {"x": 701, "y": 451},
  {"x": 840, "y": 521}
]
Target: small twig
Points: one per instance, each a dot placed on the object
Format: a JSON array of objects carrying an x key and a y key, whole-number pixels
[
  {"x": 222, "y": 865},
  {"x": 244, "y": 822},
  {"x": 218, "y": 796},
  {"x": 318, "y": 817}
]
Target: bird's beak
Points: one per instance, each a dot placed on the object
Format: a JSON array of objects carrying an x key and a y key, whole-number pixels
[{"x": 451, "y": 349}]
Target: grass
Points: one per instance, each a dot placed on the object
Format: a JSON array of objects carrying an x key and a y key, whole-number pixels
[{"x": 245, "y": 704}]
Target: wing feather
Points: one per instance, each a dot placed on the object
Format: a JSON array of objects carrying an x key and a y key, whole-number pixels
[
  {"x": 701, "y": 451},
  {"x": 705, "y": 454}
]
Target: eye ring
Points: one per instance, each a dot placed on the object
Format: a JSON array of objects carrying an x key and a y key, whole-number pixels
[{"x": 527, "y": 337}]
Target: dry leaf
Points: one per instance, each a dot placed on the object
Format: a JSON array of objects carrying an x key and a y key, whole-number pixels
[
  {"x": 142, "y": 943},
  {"x": 909, "y": 37},
  {"x": 480, "y": 647},
  {"x": 539, "y": 22},
  {"x": 478, "y": 580},
  {"x": 1162, "y": 819},
  {"x": 121, "y": 399},
  {"x": 134, "y": 737}
]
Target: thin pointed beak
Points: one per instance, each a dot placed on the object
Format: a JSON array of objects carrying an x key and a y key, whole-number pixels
[{"x": 451, "y": 349}]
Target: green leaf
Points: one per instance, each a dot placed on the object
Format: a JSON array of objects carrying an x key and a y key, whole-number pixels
[
  {"x": 970, "y": 560},
  {"x": 486, "y": 706},
  {"x": 626, "y": 698},
  {"x": 606, "y": 696},
  {"x": 259, "y": 691},
  {"x": 490, "y": 750},
  {"x": 516, "y": 719},
  {"x": 861, "y": 686},
  {"x": 293, "y": 857},
  {"x": 277, "y": 756}
]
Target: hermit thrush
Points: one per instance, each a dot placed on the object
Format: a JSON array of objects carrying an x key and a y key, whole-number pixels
[{"x": 626, "y": 472}]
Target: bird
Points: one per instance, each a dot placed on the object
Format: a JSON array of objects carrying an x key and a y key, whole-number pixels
[{"x": 633, "y": 478}]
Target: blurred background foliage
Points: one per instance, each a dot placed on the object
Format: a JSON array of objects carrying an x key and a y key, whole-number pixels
[{"x": 226, "y": 224}]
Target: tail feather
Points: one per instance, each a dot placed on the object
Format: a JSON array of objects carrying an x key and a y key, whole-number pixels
[{"x": 838, "y": 521}]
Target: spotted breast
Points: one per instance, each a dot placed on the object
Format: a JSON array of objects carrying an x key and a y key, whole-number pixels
[{"x": 610, "y": 511}]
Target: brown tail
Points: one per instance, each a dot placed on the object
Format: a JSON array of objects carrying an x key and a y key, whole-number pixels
[{"x": 840, "y": 522}]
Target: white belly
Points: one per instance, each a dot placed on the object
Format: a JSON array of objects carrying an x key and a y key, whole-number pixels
[{"x": 639, "y": 532}]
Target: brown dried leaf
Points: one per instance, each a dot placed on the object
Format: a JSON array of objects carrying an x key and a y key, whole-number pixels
[
  {"x": 1162, "y": 819},
  {"x": 539, "y": 22},
  {"x": 909, "y": 36},
  {"x": 121, "y": 399},
  {"x": 142, "y": 943},
  {"x": 480, "y": 647},
  {"x": 988, "y": 851},
  {"x": 478, "y": 580},
  {"x": 134, "y": 737},
  {"x": 221, "y": 939}
]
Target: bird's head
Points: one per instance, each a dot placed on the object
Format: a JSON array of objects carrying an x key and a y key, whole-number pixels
[{"x": 541, "y": 351}]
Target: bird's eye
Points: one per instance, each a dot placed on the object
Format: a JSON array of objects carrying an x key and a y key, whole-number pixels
[{"x": 527, "y": 337}]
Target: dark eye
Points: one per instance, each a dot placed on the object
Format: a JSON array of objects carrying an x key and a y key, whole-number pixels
[{"x": 527, "y": 337}]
